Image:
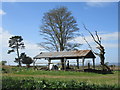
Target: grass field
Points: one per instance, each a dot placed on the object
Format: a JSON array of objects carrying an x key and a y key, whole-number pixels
[
  {"x": 17, "y": 73},
  {"x": 30, "y": 79}
]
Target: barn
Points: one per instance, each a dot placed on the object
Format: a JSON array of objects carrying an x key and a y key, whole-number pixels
[{"x": 67, "y": 55}]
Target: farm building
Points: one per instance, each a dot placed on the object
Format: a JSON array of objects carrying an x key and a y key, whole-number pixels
[{"x": 67, "y": 55}]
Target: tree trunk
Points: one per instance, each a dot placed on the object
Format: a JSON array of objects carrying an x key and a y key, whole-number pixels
[
  {"x": 61, "y": 47},
  {"x": 102, "y": 61},
  {"x": 62, "y": 60},
  {"x": 19, "y": 63},
  {"x": 103, "y": 64}
]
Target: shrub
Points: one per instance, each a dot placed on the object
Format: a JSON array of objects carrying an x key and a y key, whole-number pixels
[{"x": 9, "y": 83}]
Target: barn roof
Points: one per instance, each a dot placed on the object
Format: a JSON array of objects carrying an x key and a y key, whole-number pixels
[{"x": 66, "y": 54}]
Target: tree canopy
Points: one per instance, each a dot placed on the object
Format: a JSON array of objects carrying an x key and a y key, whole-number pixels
[
  {"x": 26, "y": 59},
  {"x": 58, "y": 28}
]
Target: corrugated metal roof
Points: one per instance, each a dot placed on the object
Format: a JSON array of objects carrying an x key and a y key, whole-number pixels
[{"x": 66, "y": 54}]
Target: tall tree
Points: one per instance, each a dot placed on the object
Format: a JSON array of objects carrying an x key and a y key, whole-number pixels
[
  {"x": 97, "y": 39},
  {"x": 16, "y": 43},
  {"x": 59, "y": 27}
]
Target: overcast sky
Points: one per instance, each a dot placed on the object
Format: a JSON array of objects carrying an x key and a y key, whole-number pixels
[{"x": 24, "y": 19}]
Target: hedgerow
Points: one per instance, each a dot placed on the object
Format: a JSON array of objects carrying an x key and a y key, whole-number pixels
[{"x": 9, "y": 83}]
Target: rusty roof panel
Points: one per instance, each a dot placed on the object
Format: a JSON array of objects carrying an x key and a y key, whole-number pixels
[{"x": 79, "y": 53}]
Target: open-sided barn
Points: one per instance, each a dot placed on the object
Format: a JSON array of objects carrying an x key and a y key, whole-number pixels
[{"x": 65, "y": 55}]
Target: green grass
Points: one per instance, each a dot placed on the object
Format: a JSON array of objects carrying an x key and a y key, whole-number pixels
[
  {"x": 42, "y": 72},
  {"x": 91, "y": 78},
  {"x": 31, "y": 71}
]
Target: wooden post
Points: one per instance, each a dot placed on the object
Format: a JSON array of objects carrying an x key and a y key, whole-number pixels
[
  {"x": 83, "y": 63},
  {"x": 62, "y": 62},
  {"x": 49, "y": 61},
  {"x": 65, "y": 63},
  {"x": 78, "y": 63},
  {"x": 94, "y": 63}
]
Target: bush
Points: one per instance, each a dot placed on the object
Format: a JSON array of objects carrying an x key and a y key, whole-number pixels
[{"x": 9, "y": 83}]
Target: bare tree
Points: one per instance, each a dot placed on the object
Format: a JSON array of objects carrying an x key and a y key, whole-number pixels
[
  {"x": 100, "y": 47},
  {"x": 59, "y": 26}
]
